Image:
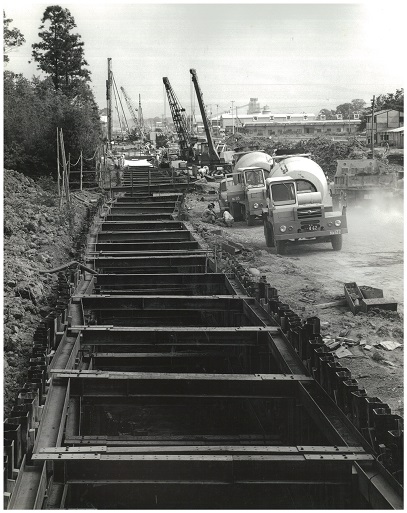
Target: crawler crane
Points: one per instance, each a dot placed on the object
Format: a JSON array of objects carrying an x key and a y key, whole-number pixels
[{"x": 180, "y": 122}]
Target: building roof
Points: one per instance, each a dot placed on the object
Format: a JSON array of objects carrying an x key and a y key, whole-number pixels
[
  {"x": 308, "y": 122},
  {"x": 385, "y": 110},
  {"x": 267, "y": 115},
  {"x": 393, "y": 130}
]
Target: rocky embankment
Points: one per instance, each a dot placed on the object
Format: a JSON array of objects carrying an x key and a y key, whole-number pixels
[{"x": 38, "y": 236}]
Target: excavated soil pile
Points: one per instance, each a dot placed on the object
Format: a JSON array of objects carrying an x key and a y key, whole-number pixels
[{"x": 38, "y": 235}]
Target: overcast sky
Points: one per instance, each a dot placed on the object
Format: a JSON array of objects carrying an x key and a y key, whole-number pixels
[{"x": 292, "y": 57}]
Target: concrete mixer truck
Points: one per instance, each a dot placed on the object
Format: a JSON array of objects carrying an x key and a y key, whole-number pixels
[
  {"x": 243, "y": 192},
  {"x": 299, "y": 207}
]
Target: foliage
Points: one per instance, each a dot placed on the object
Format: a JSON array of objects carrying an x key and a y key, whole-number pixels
[
  {"x": 346, "y": 109},
  {"x": 324, "y": 151},
  {"x": 60, "y": 54},
  {"x": 12, "y": 37},
  {"x": 391, "y": 100},
  {"x": 32, "y": 112}
]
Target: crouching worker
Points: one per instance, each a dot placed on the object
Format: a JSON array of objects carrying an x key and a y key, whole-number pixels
[
  {"x": 228, "y": 218},
  {"x": 208, "y": 215}
]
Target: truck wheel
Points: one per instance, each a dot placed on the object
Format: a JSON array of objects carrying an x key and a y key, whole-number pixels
[
  {"x": 250, "y": 220},
  {"x": 336, "y": 241},
  {"x": 281, "y": 246},
  {"x": 268, "y": 235}
]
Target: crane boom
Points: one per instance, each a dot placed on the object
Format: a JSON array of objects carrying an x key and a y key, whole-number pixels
[
  {"x": 131, "y": 107},
  {"x": 179, "y": 119},
  {"x": 213, "y": 154},
  {"x": 140, "y": 115}
]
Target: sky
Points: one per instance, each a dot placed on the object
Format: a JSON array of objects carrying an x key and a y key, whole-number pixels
[{"x": 292, "y": 57}]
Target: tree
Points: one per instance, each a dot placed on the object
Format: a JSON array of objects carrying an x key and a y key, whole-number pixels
[
  {"x": 358, "y": 105},
  {"x": 60, "y": 54},
  {"x": 391, "y": 100},
  {"x": 32, "y": 112},
  {"x": 329, "y": 114},
  {"x": 12, "y": 38}
]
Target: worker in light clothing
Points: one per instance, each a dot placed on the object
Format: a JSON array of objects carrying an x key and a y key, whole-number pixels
[{"x": 228, "y": 218}]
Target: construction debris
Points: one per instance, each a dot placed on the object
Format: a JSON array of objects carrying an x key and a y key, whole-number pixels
[{"x": 389, "y": 345}]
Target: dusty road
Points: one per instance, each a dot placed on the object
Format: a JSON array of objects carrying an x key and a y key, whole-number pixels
[
  {"x": 372, "y": 252},
  {"x": 313, "y": 274}
]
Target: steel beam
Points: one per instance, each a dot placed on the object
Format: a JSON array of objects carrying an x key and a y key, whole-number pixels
[
  {"x": 174, "y": 336},
  {"x": 139, "y": 216},
  {"x": 288, "y": 468},
  {"x": 141, "y": 225},
  {"x": 162, "y": 303},
  {"x": 163, "y": 187},
  {"x": 138, "y": 384},
  {"x": 144, "y": 235},
  {"x": 108, "y": 247}
]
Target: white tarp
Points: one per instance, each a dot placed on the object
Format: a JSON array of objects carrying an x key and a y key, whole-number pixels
[{"x": 137, "y": 163}]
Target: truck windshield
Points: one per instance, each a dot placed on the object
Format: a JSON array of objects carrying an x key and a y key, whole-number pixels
[
  {"x": 283, "y": 193},
  {"x": 254, "y": 177}
]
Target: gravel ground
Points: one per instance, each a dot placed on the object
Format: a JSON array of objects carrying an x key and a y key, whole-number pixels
[{"x": 313, "y": 274}]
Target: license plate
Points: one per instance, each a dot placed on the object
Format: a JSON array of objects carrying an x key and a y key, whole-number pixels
[
  {"x": 335, "y": 232},
  {"x": 310, "y": 228}
]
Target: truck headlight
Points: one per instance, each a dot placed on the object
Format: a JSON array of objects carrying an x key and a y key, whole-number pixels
[
  {"x": 255, "y": 205},
  {"x": 290, "y": 228},
  {"x": 329, "y": 224},
  {"x": 338, "y": 222},
  {"x": 283, "y": 228}
]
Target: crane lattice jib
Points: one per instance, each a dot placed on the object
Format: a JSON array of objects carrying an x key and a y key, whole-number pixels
[
  {"x": 140, "y": 115},
  {"x": 179, "y": 118},
  {"x": 213, "y": 154},
  {"x": 130, "y": 106}
]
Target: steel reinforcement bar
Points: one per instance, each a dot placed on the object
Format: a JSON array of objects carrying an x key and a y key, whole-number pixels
[{"x": 162, "y": 381}]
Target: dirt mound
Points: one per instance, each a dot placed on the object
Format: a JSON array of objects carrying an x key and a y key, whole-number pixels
[{"x": 37, "y": 235}]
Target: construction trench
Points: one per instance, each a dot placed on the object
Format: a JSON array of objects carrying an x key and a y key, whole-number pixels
[{"x": 163, "y": 383}]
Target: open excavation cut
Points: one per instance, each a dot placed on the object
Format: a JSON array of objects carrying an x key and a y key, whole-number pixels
[{"x": 164, "y": 383}]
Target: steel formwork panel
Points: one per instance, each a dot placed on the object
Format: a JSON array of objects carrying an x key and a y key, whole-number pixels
[{"x": 209, "y": 495}]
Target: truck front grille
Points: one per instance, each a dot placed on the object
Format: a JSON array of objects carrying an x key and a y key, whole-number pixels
[{"x": 308, "y": 212}]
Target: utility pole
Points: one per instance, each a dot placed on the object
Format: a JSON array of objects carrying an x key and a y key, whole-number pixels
[
  {"x": 109, "y": 100},
  {"x": 233, "y": 119},
  {"x": 373, "y": 105}
]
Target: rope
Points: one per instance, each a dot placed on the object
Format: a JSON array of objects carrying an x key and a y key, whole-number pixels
[
  {"x": 91, "y": 158},
  {"x": 76, "y": 161}
]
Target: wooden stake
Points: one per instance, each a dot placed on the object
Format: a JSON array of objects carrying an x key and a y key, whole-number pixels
[
  {"x": 58, "y": 171},
  {"x": 81, "y": 170}
]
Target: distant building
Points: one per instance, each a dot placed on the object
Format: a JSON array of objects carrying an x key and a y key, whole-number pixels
[
  {"x": 254, "y": 106},
  {"x": 388, "y": 126},
  {"x": 267, "y": 124}
]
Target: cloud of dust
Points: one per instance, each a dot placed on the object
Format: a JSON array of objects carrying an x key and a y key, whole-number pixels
[{"x": 380, "y": 210}]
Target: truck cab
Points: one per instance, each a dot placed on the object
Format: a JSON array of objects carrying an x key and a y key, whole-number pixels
[
  {"x": 296, "y": 213},
  {"x": 243, "y": 193}
]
